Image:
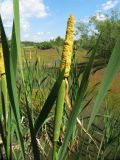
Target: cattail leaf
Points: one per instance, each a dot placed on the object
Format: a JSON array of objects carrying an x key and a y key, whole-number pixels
[
  {"x": 11, "y": 81},
  {"x": 17, "y": 34},
  {"x": 13, "y": 51},
  {"x": 17, "y": 24},
  {"x": 111, "y": 70},
  {"x": 10, "y": 131}
]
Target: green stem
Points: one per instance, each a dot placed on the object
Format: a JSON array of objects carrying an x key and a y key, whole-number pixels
[
  {"x": 58, "y": 117},
  {"x": 54, "y": 151}
]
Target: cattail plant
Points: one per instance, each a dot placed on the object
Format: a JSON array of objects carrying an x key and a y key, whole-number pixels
[
  {"x": 65, "y": 64},
  {"x": 19, "y": 130}
]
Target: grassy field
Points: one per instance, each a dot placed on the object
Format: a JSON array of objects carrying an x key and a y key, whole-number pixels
[{"x": 51, "y": 57}]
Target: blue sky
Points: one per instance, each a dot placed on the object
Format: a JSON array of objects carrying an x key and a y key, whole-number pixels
[{"x": 46, "y": 19}]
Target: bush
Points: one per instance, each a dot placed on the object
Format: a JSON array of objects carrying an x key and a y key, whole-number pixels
[{"x": 45, "y": 45}]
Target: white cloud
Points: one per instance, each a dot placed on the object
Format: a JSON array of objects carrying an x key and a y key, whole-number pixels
[
  {"x": 109, "y": 4},
  {"x": 33, "y": 8},
  {"x": 100, "y": 16},
  {"x": 40, "y": 33},
  {"x": 42, "y": 36},
  {"x": 28, "y": 9},
  {"x": 26, "y": 35},
  {"x": 6, "y": 12}
]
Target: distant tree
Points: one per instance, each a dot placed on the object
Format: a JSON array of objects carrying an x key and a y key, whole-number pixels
[
  {"x": 45, "y": 45},
  {"x": 28, "y": 43},
  {"x": 59, "y": 41},
  {"x": 110, "y": 29},
  {"x": 83, "y": 34}
]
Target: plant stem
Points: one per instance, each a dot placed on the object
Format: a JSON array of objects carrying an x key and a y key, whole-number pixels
[{"x": 58, "y": 117}]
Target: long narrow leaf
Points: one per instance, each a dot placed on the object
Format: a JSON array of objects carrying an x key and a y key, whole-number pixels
[
  {"x": 11, "y": 81},
  {"x": 14, "y": 49},
  {"x": 17, "y": 33}
]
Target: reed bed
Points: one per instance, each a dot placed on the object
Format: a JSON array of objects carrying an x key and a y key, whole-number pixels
[{"x": 51, "y": 113}]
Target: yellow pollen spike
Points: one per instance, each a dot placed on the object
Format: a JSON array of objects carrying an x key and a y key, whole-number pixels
[
  {"x": 68, "y": 47},
  {"x": 2, "y": 68}
]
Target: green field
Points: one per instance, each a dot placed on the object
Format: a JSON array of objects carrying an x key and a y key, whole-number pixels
[{"x": 50, "y": 56}]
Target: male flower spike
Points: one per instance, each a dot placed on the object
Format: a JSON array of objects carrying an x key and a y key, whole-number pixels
[
  {"x": 68, "y": 47},
  {"x": 2, "y": 68}
]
